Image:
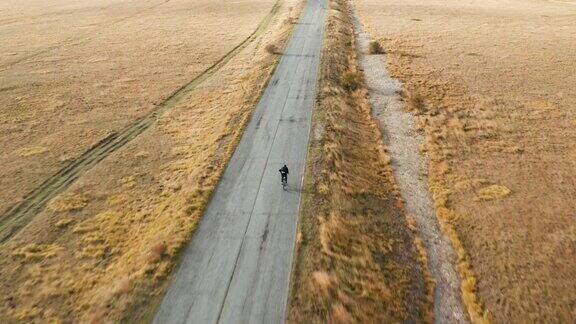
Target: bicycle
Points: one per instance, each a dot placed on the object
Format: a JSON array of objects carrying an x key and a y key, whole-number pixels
[{"x": 284, "y": 174}]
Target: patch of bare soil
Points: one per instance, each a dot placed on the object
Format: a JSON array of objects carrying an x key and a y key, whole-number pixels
[
  {"x": 103, "y": 249},
  {"x": 356, "y": 260},
  {"x": 492, "y": 83}
]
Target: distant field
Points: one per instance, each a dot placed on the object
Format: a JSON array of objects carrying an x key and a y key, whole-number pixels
[
  {"x": 72, "y": 72},
  {"x": 101, "y": 251},
  {"x": 493, "y": 85}
]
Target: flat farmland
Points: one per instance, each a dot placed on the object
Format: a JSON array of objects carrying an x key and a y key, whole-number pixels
[
  {"x": 104, "y": 246},
  {"x": 492, "y": 84},
  {"x": 72, "y": 73}
]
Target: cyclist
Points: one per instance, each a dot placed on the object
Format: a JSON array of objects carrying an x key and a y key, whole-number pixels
[{"x": 284, "y": 174}]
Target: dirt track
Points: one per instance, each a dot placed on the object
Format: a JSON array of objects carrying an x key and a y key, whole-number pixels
[
  {"x": 398, "y": 129},
  {"x": 153, "y": 189},
  {"x": 21, "y": 214}
]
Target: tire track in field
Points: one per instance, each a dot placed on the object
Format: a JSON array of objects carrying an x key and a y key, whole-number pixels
[{"x": 16, "y": 217}]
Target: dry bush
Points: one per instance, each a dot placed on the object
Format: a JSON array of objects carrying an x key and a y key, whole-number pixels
[
  {"x": 350, "y": 80},
  {"x": 375, "y": 48},
  {"x": 416, "y": 103},
  {"x": 157, "y": 252},
  {"x": 272, "y": 49},
  {"x": 122, "y": 286}
]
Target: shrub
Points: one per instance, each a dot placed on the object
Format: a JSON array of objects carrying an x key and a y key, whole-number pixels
[
  {"x": 416, "y": 103},
  {"x": 157, "y": 252},
  {"x": 350, "y": 80},
  {"x": 272, "y": 49},
  {"x": 375, "y": 48}
]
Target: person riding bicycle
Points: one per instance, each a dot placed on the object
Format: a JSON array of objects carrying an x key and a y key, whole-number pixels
[{"x": 284, "y": 173}]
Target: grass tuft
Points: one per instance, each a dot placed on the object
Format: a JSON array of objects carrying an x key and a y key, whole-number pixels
[
  {"x": 71, "y": 202},
  {"x": 30, "y": 151},
  {"x": 416, "y": 103},
  {"x": 36, "y": 252},
  {"x": 375, "y": 48},
  {"x": 63, "y": 223},
  {"x": 272, "y": 49},
  {"x": 492, "y": 192},
  {"x": 350, "y": 80}
]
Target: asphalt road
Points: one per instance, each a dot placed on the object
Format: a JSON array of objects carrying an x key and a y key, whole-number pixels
[{"x": 237, "y": 266}]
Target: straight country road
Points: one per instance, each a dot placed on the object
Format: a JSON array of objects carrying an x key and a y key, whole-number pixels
[{"x": 237, "y": 266}]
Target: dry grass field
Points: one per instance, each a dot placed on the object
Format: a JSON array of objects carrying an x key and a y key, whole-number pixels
[
  {"x": 102, "y": 250},
  {"x": 73, "y": 72},
  {"x": 357, "y": 261},
  {"x": 492, "y": 83}
]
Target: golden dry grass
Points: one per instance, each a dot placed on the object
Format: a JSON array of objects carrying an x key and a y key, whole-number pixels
[
  {"x": 492, "y": 192},
  {"x": 495, "y": 79},
  {"x": 69, "y": 202},
  {"x": 106, "y": 258},
  {"x": 356, "y": 260},
  {"x": 29, "y": 151},
  {"x": 72, "y": 73}
]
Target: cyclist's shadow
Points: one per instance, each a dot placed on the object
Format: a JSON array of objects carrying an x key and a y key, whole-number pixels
[{"x": 296, "y": 189}]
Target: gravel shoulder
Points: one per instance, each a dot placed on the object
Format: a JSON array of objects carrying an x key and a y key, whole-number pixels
[{"x": 409, "y": 168}]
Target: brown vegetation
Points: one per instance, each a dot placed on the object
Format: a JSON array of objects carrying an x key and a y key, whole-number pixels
[
  {"x": 102, "y": 250},
  {"x": 499, "y": 125},
  {"x": 272, "y": 49},
  {"x": 356, "y": 260},
  {"x": 350, "y": 80},
  {"x": 416, "y": 104},
  {"x": 73, "y": 73},
  {"x": 65, "y": 203},
  {"x": 375, "y": 48}
]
